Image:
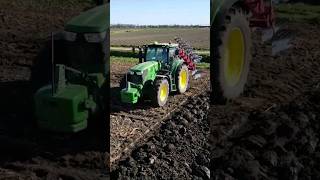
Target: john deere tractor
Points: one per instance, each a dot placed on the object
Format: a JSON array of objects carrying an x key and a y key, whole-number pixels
[
  {"x": 161, "y": 70},
  {"x": 232, "y": 23},
  {"x": 71, "y": 75}
]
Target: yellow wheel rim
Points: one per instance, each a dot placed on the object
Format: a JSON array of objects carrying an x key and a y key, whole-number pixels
[
  {"x": 163, "y": 92},
  {"x": 234, "y": 56},
  {"x": 183, "y": 79}
]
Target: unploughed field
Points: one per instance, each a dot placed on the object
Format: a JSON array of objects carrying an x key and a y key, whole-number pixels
[{"x": 122, "y": 37}]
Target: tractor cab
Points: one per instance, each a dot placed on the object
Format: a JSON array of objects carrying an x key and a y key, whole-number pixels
[
  {"x": 157, "y": 54},
  {"x": 160, "y": 52}
]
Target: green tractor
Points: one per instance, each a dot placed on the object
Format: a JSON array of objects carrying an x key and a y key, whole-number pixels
[
  {"x": 71, "y": 75},
  {"x": 232, "y": 23},
  {"x": 161, "y": 70}
]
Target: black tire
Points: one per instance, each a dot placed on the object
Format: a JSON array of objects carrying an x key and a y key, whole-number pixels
[
  {"x": 181, "y": 89},
  {"x": 156, "y": 97},
  {"x": 234, "y": 19}
]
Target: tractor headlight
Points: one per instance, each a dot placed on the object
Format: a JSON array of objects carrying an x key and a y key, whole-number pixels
[
  {"x": 131, "y": 72},
  {"x": 139, "y": 73},
  {"x": 95, "y": 37},
  {"x": 69, "y": 36}
]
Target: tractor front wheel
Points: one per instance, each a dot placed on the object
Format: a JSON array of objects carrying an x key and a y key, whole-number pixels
[
  {"x": 232, "y": 55},
  {"x": 160, "y": 92},
  {"x": 182, "y": 79}
]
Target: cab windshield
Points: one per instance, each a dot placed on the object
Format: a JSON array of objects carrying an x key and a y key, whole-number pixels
[{"x": 157, "y": 53}]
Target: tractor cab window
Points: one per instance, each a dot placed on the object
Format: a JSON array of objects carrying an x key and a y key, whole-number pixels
[
  {"x": 157, "y": 53},
  {"x": 171, "y": 53}
]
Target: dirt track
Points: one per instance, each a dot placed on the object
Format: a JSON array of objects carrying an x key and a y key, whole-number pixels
[{"x": 26, "y": 152}]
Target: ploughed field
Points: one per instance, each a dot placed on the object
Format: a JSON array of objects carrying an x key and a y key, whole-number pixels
[
  {"x": 25, "y": 151},
  {"x": 132, "y": 124},
  {"x": 270, "y": 132}
]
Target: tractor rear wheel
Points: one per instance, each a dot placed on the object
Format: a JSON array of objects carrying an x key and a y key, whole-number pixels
[
  {"x": 232, "y": 55},
  {"x": 182, "y": 79},
  {"x": 160, "y": 92}
]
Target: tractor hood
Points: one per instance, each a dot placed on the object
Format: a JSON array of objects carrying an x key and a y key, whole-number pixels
[
  {"x": 143, "y": 66},
  {"x": 95, "y": 20}
]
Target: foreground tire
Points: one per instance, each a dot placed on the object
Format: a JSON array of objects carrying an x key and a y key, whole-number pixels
[
  {"x": 182, "y": 79},
  {"x": 232, "y": 55},
  {"x": 160, "y": 92}
]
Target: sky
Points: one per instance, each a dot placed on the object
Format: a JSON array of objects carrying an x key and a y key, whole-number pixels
[{"x": 160, "y": 12}]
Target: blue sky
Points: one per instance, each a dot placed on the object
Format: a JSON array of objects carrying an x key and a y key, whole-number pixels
[{"x": 160, "y": 12}]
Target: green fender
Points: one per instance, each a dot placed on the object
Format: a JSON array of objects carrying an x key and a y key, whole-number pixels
[{"x": 175, "y": 65}]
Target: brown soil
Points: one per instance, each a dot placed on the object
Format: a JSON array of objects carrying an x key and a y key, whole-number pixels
[{"x": 25, "y": 151}]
